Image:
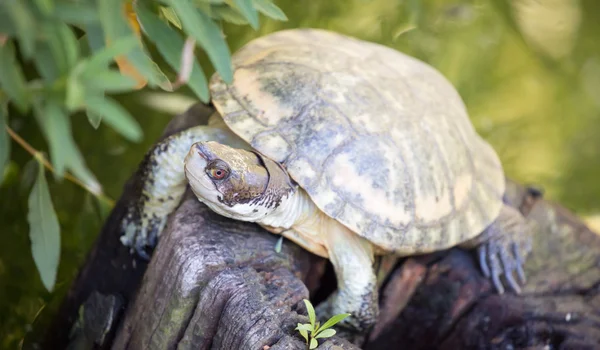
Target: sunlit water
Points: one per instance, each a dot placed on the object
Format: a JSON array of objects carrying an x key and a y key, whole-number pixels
[{"x": 529, "y": 74}]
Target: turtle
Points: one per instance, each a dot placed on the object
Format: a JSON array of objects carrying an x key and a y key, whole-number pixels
[{"x": 350, "y": 149}]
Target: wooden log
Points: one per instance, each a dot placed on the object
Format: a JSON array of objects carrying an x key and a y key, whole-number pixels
[
  {"x": 451, "y": 305},
  {"x": 219, "y": 284}
]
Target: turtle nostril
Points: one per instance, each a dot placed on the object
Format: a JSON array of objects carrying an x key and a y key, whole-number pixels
[{"x": 200, "y": 151}]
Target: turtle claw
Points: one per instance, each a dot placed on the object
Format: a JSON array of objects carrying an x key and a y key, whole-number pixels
[
  {"x": 497, "y": 260},
  {"x": 141, "y": 252}
]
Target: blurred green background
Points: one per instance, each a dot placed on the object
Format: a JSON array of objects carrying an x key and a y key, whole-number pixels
[{"x": 528, "y": 70}]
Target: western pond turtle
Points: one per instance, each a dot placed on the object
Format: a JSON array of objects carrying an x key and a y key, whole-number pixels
[{"x": 348, "y": 148}]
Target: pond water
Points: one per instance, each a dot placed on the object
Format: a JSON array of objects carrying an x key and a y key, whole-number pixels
[{"x": 529, "y": 74}]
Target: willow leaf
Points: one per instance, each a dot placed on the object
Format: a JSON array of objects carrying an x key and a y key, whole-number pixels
[
  {"x": 46, "y": 7},
  {"x": 110, "y": 81},
  {"x": 12, "y": 79},
  {"x": 94, "y": 119},
  {"x": 57, "y": 128},
  {"x": 249, "y": 12},
  {"x": 116, "y": 116},
  {"x": 44, "y": 231},
  {"x": 269, "y": 9},
  {"x": 170, "y": 15},
  {"x": 25, "y": 24},
  {"x": 79, "y": 14},
  {"x": 115, "y": 24},
  {"x": 228, "y": 14},
  {"x": 170, "y": 45},
  {"x": 104, "y": 56}
]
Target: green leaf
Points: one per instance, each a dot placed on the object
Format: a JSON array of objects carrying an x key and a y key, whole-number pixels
[
  {"x": 208, "y": 34},
  {"x": 115, "y": 25},
  {"x": 80, "y": 14},
  {"x": 279, "y": 244},
  {"x": 325, "y": 333},
  {"x": 45, "y": 63},
  {"x": 25, "y": 24},
  {"x": 7, "y": 27},
  {"x": 333, "y": 321},
  {"x": 28, "y": 175},
  {"x": 104, "y": 56},
  {"x": 170, "y": 45},
  {"x": 45, "y": 6},
  {"x": 57, "y": 128},
  {"x": 302, "y": 328},
  {"x": 95, "y": 38},
  {"x": 111, "y": 81},
  {"x": 313, "y": 343},
  {"x": 169, "y": 14},
  {"x": 116, "y": 116},
  {"x": 44, "y": 231},
  {"x": 113, "y": 18},
  {"x": 94, "y": 119},
  {"x": 249, "y": 12},
  {"x": 64, "y": 153},
  {"x": 56, "y": 55},
  {"x": 228, "y": 14},
  {"x": 4, "y": 143},
  {"x": 146, "y": 67},
  {"x": 305, "y": 327},
  {"x": 12, "y": 79},
  {"x": 62, "y": 44},
  {"x": 269, "y": 9},
  {"x": 80, "y": 170},
  {"x": 311, "y": 312},
  {"x": 75, "y": 93}
]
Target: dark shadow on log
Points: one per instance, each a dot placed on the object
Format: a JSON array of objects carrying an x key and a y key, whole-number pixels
[{"x": 214, "y": 283}]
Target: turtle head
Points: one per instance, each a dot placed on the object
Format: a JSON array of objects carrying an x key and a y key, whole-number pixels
[{"x": 234, "y": 182}]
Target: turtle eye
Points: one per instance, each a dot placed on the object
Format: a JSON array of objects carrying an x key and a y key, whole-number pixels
[{"x": 218, "y": 173}]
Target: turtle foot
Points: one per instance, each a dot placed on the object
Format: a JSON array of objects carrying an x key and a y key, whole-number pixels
[
  {"x": 361, "y": 320},
  {"x": 502, "y": 259},
  {"x": 502, "y": 249},
  {"x": 141, "y": 235}
]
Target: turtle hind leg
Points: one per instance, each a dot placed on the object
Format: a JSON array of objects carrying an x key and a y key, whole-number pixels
[
  {"x": 161, "y": 184},
  {"x": 502, "y": 249}
]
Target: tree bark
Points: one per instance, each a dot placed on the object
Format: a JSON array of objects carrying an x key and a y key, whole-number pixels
[{"x": 215, "y": 283}]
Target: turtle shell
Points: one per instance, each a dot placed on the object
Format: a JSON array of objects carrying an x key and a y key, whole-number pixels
[{"x": 379, "y": 140}]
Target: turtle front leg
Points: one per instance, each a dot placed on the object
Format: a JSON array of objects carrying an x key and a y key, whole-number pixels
[
  {"x": 502, "y": 249},
  {"x": 162, "y": 184},
  {"x": 352, "y": 257}
]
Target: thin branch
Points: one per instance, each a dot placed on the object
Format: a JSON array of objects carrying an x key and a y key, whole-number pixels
[
  {"x": 187, "y": 63},
  {"x": 37, "y": 154}
]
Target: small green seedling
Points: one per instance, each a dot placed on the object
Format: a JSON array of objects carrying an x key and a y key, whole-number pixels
[{"x": 313, "y": 330}]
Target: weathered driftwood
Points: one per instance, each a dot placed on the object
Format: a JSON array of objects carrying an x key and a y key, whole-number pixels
[{"x": 218, "y": 284}]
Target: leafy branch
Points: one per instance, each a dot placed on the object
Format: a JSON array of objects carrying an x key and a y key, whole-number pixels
[
  {"x": 62, "y": 59},
  {"x": 96, "y": 191},
  {"x": 314, "y": 330}
]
